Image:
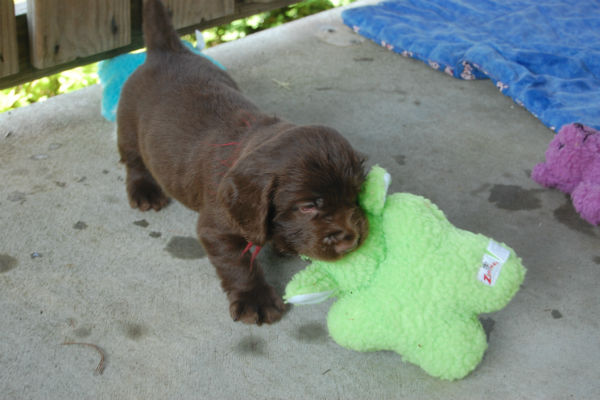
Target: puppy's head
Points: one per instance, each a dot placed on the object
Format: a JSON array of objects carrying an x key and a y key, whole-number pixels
[{"x": 299, "y": 190}]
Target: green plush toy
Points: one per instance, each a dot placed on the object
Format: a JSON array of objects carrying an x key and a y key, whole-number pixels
[{"x": 415, "y": 286}]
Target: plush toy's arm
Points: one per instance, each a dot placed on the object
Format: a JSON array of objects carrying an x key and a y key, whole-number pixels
[
  {"x": 313, "y": 285},
  {"x": 374, "y": 190},
  {"x": 586, "y": 199}
]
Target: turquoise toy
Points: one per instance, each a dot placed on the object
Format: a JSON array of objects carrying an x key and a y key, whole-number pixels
[{"x": 114, "y": 72}]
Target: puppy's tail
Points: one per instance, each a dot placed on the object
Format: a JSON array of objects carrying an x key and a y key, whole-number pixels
[{"x": 159, "y": 33}]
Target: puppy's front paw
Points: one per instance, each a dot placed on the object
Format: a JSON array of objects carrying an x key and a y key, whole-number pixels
[
  {"x": 257, "y": 306},
  {"x": 146, "y": 195}
]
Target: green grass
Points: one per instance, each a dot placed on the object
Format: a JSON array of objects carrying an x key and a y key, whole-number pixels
[
  {"x": 49, "y": 86},
  {"x": 77, "y": 78}
]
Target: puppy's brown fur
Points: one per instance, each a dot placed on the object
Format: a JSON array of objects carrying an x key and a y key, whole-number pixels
[{"x": 186, "y": 131}]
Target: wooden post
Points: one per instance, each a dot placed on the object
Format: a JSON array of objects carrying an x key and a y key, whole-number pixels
[
  {"x": 56, "y": 35},
  {"x": 64, "y": 30},
  {"x": 9, "y": 57},
  {"x": 191, "y": 12}
]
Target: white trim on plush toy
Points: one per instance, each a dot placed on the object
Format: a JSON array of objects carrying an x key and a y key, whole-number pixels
[
  {"x": 310, "y": 298},
  {"x": 387, "y": 178}
]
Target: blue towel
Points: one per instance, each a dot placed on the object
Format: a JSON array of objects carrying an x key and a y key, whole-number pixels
[
  {"x": 544, "y": 54},
  {"x": 114, "y": 72}
]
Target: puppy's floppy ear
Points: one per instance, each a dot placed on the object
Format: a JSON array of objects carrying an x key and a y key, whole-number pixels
[{"x": 246, "y": 193}]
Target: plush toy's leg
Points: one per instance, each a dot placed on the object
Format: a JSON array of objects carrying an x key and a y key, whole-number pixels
[
  {"x": 586, "y": 199},
  {"x": 143, "y": 191},
  {"x": 353, "y": 325},
  {"x": 449, "y": 352},
  {"x": 446, "y": 351}
]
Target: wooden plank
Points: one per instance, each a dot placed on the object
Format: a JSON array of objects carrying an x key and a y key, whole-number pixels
[
  {"x": 189, "y": 12},
  {"x": 64, "y": 30},
  {"x": 9, "y": 57},
  {"x": 243, "y": 8}
]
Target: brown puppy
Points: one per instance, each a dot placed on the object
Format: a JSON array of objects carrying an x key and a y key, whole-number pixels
[{"x": 185, "y": 131}]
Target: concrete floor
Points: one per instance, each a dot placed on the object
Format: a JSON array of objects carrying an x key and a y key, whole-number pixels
[{"x": 78, "y": 265}]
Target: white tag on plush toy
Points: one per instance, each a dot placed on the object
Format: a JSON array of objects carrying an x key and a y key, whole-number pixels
[
  {"x": 498, "y": 250},
  {"x": 490, "y": 270},
  {"x": 310, "y": 298},
  {"x": 491, "y": 265}
]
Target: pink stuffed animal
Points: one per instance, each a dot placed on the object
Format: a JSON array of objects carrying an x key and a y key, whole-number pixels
[{"x": 573, "y": 166}]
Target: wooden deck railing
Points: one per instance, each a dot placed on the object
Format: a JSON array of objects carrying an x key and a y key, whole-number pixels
[{"x": 42, "y": 37}]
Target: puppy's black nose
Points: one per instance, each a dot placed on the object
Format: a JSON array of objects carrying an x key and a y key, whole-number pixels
[{"x": 346, "y": 243}]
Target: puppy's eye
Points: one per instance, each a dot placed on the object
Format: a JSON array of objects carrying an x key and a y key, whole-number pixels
[
  {"x": 307, "y": 208},
  {"x": 310, "y": 207}
]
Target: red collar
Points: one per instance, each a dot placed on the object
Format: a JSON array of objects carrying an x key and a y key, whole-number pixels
[{"x": 254, "y": 253}]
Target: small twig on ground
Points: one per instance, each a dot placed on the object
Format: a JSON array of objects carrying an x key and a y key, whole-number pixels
[
  {"x": 100, "y": 367},
  {"x": 284, "y": 85}
]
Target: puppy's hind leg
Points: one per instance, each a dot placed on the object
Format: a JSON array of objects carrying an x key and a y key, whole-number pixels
[{"x": 142, "y": 189}]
